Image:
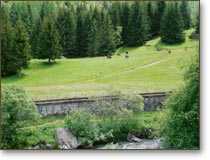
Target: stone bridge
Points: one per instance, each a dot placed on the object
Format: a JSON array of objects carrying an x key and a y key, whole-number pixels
[{"x": 152, "y": 101}]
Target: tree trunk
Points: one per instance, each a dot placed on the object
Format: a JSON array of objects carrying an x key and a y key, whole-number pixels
[{"x": 49, "y": 61}]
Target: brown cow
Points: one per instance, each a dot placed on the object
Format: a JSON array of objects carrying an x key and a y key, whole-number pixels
[
  {"x": 118, "y": 54},
  {"x": 169, "y": 51},
  {"x": 126, "y": 55},
  {"x": 109, "y": 56}
]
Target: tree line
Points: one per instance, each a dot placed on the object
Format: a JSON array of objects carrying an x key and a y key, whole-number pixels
[{"x": 81, "y": 29}]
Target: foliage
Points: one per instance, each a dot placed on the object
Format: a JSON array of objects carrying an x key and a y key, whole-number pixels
[
  {"x": 6, "y": 45},
  {"x": 81, "y": 124},
  {"x": 181, "y": 126},
  {"x": 172, "y": 28},
  {"x": 21, "y": 47},
  {"x": 113, "y": 123},
  {"x": 138, "y": 25},
  {"x": 155, "y": 13},
  {"x": 118, "y": 37},
  {"x": 16, "y": 108},
  {"x": 66, "y": 25},
  {"x": 96, "y": 75},
  {"x": 184, "y": 8},
  {"x": 37, "y": 136},
  {"x": 49, "y": 47}
]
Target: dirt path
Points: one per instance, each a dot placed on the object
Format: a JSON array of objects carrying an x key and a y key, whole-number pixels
[
  {"x": 128, "y": 71},
  {"x": 102, "y": 77},
  {"x": 45, "y": 124}
]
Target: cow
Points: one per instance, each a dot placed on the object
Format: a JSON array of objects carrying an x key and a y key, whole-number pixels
[
  {"x": 169, "y": 51},
  {"x": 118, "y": 54},
  {"x": 126, "y": 55},
  {"x": 109, "y": 56}
]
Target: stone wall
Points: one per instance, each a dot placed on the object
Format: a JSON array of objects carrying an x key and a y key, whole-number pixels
[{"x": 152, "y": 101}]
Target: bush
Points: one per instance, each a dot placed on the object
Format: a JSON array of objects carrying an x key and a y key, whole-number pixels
[
  {"x": 114, "y": 121},
  {"x": 111, "y": 107},
  {"x": 16, "y": 108},
  {"x": 181, "y": 127},
  {"x": 82, "y": 125}
]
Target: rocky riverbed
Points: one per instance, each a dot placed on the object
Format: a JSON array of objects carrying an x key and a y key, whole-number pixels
[{"x": 156, "y": 143}]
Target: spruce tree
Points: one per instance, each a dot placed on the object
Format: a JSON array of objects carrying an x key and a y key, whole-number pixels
[
  {"x": 67, "y": 28},
  {"x": 93, "y": 34},
  {"x": 172, "y": 24},
  {"x": 93, "y": 39},
  {"x": 21, "y": 47},
  {"x": 138, "y": 25},
  {"x": 82, "y": 32},
  {"x": 34, "y": 38},
  {"x": 197, "y": 27},
  {"x": 155, "y": 12},
  {"x": 185, "y": 14},
  {"x": 106, "y": 42},
  {"x": 14, "y": 13},
  {"x": 6, "y": 45},
  {"x": 48, "y": 43},
  {"x": 125, "y": 11},
  {"x": 30, "y": 21}
]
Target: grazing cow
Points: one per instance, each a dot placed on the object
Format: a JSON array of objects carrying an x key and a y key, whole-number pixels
[
  {"x": 126, "y": 55},
  {"x": 118, "y": 54},
  {"x": 169, "y": 51},
  {"x": 109, "y": 56},
  {"x": 158, "y": 49}
]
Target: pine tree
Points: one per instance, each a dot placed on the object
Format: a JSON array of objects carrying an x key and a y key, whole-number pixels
[
  {"x": 6, "y": 45},
  {"x": 185, "y": 14},
  {"x": 14, "y": 13},
  {"x": 197, "y": 27},
  {"x": 47, "y": 9},
  {"x": 48, "y": 43},
  {"x": 106, "y": 43},
  {"x": 34, "y": 38},
  {"x": 21, "y": 47},
  {"x": 155, "y": 12},
  {"x": 172, "y": 24},
  {"x": 93, "y": 34},
  {"x": 29, "y": 23},
  {"x": 66, "y": 24},
  {"x": 93, "y": 39},
  {"x": 124, "y": 21},
  {"x": 82, "y": 32},
  {"x": 138, "y": 25},
  {"x": 114, "y": 13}
]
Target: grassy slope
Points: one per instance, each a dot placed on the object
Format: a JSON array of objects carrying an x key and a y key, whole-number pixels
[{"x": 96, "y": 76}]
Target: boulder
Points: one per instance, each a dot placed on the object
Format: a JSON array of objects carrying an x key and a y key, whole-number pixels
[
  {"x": 142, "y": 133},
  {"x": 65, "y": 139},
  {"x": 48, "y": 146},
  {"x": 132, "y": 138}
]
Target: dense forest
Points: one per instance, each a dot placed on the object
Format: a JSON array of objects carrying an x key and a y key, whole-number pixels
[{"x": 51, "y": 30}]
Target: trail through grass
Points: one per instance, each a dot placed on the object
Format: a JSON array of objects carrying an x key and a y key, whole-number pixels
[{"x": 146, "y": 70}]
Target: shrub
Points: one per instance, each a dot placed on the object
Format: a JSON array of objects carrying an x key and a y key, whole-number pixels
[
  {"x": 114, "y": 120},
  {"x": 82, "y": 125},
  {"x": 181, "y": 127},
  {"x": 16, "y": 108},
  {"x": 111, "y": 107}
]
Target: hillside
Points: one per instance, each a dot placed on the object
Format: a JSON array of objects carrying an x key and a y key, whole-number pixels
[{"x": 146, "y": 70}]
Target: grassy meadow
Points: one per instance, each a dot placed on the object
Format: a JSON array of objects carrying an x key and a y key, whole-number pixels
[{"x": 146, "y": 70}]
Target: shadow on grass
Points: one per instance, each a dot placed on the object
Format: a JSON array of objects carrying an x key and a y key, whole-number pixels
[
  {"x": 43, "y": 65},
  {"x": 13, "y": 78},
  {"x": 122, "y": 50},
  {"x": 162, "y": 44}
]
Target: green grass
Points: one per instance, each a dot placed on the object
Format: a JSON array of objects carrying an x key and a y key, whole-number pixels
[
  {"x": 98, "y": 75},
  {"x": 41, "y": 133}
]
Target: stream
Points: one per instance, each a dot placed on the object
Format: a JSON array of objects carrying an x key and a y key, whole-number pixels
[{"x": 156, "y": 143}]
